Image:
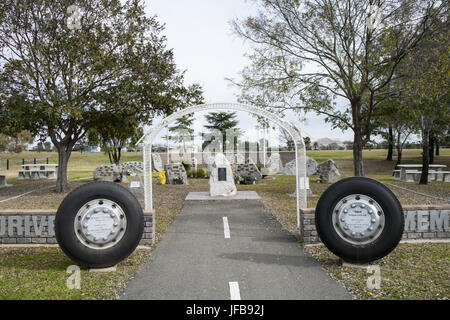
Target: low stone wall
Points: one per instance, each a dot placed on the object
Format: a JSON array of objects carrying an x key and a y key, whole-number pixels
[
  {"x": 37, "y": 227},
  {"x": 421, "y": 222}
]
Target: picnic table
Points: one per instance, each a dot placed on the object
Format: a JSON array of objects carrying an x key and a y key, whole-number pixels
[
  {"x": 3, "y": 180},
  {"x": 45, "y": 171},
  {"x": 412, "y": 172}
]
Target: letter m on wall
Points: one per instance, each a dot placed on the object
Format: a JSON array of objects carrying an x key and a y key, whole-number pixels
[{"x": 439, "y": 220}]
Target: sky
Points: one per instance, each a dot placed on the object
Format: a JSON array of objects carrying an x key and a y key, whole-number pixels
[{"x": 204, "y": 45}]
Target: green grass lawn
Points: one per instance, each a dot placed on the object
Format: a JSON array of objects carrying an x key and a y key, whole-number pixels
[
  {"x": 41, "y": 273},
  {"x": 412, "y": 271}
]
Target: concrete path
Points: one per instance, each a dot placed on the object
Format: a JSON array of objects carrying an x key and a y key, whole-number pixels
[{"x": 230, "y": 250}]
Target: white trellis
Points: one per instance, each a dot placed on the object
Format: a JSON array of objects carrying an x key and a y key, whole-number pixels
[{"x": 302, "y": 181}]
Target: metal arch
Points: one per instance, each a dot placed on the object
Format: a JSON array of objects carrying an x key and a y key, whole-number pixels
[
  {"x": 293, "y": 131},
  {"x": 302, "y": 180}
]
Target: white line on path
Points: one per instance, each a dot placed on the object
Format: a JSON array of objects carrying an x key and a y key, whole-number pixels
[
  {"x": 226, "y": 228},
  {"x": 234, "y": 291}
]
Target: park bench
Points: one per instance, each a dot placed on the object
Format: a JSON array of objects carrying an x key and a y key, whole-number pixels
[
  {"x": 37, "y": 174},
  {"x": 411, "y": 172},
  {"x": 2, "y": 181},
  {"x": 396, "y": 174},
  {"x": 433, "y": 175}
]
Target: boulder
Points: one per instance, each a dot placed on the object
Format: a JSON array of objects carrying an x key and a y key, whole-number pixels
[
  {"x": 247, "y": 173},
  {"x": 274, "y": 163},
  {"x": 111, "y": 173},
  {"x": 311, "y": 166},
  {"x": 328, "y": 172},
  {"x": 175, "y": 174},
  {"x": 290, "y": 168},
  {"x": 131, "y": 168},
  {"x": 221, "y": 177}
]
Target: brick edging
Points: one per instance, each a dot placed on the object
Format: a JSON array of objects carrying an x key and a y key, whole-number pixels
[
  {"x": 22, "y": 226},
  {"x": 421, "y": 222}
]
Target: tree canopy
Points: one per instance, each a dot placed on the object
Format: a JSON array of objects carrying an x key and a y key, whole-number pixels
[
  {"x": 306, "y": 55},
  {"x": 63, "y": 69}
]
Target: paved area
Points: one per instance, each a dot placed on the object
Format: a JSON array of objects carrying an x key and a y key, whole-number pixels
[{"x": 230, "y": 250}]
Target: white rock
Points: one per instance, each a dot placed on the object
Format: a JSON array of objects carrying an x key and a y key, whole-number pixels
[
  {"x": 274, "y": 163},
  {"x": 225, "y": 188}
]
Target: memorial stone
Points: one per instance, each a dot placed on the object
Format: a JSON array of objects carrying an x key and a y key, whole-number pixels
[{"x": 221, "y": 178}]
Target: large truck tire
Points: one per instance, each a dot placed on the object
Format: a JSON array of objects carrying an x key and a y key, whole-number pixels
[
  {"x": 99, "y": 224},
  {"x": 359, "y": 219}
]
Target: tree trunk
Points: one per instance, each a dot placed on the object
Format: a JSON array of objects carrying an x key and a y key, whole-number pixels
[
  {"x": 357, "y": 154},
  {"x": 119, "y": 155},
  {"x": 399, "y": 156},
  {"x": 64, "y": 152},
  {"x": 425, "y": 156},
  {"x": 390, "y": 144},
  {"x": 432, "y": 141}
]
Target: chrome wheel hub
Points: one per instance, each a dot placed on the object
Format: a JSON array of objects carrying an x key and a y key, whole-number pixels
[
  {"x": 358, "y": 219},
  {"x": 100, "y": 224}
]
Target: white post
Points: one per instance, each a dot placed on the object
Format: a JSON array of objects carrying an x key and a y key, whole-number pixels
[
  {"x": 167, "y": 147},
  {"x": 148, "y": 194},
  {"x": 265, "y": 147}
]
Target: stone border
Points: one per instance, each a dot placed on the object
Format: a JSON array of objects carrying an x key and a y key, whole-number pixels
[
  {"x": 34, "y": 227},
  {"x": 421, "y": 222}
]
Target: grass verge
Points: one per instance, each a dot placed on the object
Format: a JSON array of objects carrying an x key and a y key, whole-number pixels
[
  {"x": 41, "y": 273},
  {"x": 416, "y": 271}
]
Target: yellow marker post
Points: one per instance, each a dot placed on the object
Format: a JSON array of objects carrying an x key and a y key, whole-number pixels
[{"x": 162, "y": 177}]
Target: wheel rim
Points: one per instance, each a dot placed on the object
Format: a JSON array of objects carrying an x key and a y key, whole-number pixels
[
  {"x": 100, "y": 224},
  {"x": 358, "y": 219}
]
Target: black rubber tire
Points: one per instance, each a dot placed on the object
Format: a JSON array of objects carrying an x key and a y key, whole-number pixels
[
  {"x": 380, "y": 247},
  {"x": 74, "y": 248}
]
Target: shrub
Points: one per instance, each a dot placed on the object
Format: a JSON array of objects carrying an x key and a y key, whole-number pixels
[
  {"x": 200, "y": 173},
  {"x": 187, "y": 166}
]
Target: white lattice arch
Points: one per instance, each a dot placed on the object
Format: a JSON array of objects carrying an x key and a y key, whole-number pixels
[{"x": 302, "y": 181}]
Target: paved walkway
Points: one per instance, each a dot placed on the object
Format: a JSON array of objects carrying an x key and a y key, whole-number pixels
[{"x": 230, "y": 250}]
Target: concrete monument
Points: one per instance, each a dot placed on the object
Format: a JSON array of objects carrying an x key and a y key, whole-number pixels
[
  {"x": 221, "y": 178},
  {"x": 157, "y": 162}
]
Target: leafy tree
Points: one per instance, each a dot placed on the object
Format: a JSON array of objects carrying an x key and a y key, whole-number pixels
[
  {"x": 16, "y": 143},
  {"x": 398, "y": 116},
  {"x": 183, "y": 126},
  {"x": 286, "y": 139},
  {"x": 115, "y": 133},
  {"x": 426, "y": 86},
  {"x": 316, "y": 145},
  {"x": 306, "y": 54},
  {"x": 222, "y": 121},
  {"x": 70, "y": 73},
  {"x": 307, "y": 141}
]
